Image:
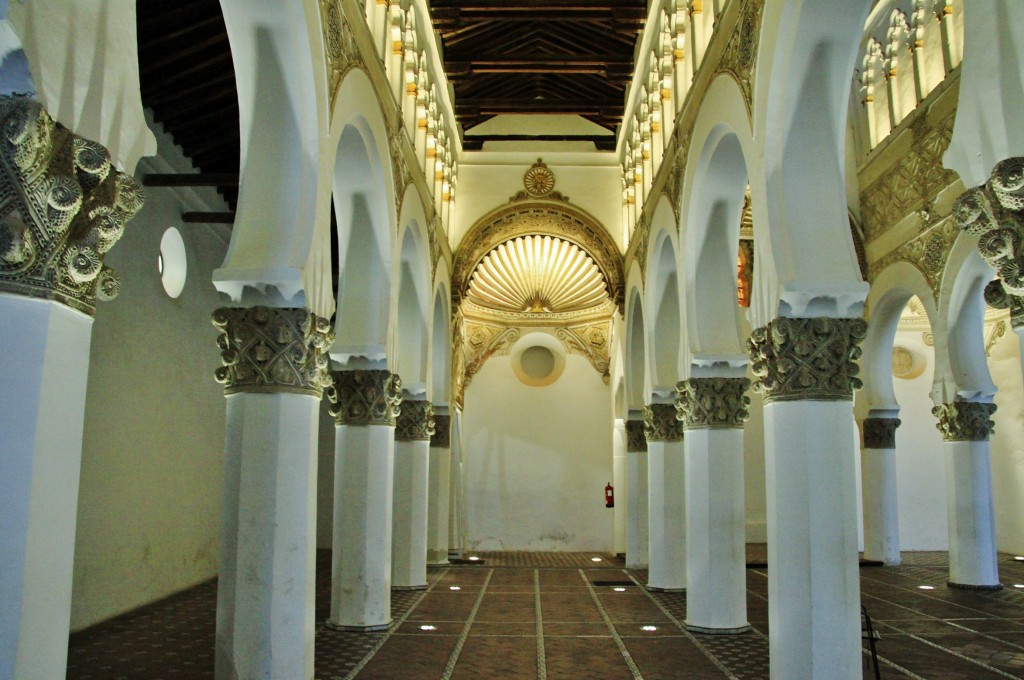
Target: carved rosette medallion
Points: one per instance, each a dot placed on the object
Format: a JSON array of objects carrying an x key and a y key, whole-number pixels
[
  {"x": 712, "y": 403},
  {"x": 880, "y": 433},
  {"x": 415, "y": 422},
  {"x": 807, "y": 359},
  {"x": 365, "y": 398},
  {"x": 63, "y": 207},
  {"x": 997, "y": 298},
  {"x": 965, "y": 421},
  {"x": 442, "y": 432},
  {"x": 636, "y": 440},
  {"x": 661, "y": 424},
  {"x": 270, "y": 349}
]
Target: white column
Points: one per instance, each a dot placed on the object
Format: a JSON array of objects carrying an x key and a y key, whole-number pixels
[
  {"x": 438, "y": 494},
  {"x": 273, "y": 375},
  {"x": 365, "y": 408},
  {"x": 813, "y": 580},
  {"x": 881, "y": 499},
  {"x": 637, "y": 533},
  {"x": 965, "y": 427},
  {"x": 666, "y": 570},
  {"x": 457, "y": 523},
  {"x": 415, "y": 425},
  {"x": 44, "y": 362},
  {"x": 621, "y": 488},
  {"x": 713, "y": 411}
]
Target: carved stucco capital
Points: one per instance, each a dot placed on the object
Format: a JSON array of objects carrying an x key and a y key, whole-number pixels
[
  {"x": 365, "y": 397},
  {"x": 442, "y": 432},
  {"x": 965, "y": 421},
  {"x": 997, "y": 297},
  {"x": 415, "y": 421},
  {"x": 810, "y": 359},
  {"x": 64, "y": 208},
  {"x": 712, "y": 403},
  {"x": 636, "y": 440},
  {"x": 880, "y": 433},
  {"x": 661, "y": 424},
  {"x": 272, "y": 349}
]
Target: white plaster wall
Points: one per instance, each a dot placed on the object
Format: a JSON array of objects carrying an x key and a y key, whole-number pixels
[
  {"x": 1007, "y": 444},
  {"x": 149, "y": 502},
  {"x": 537, "y": 460}
]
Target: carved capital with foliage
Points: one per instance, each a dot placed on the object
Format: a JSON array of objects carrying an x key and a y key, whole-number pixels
[
  {"x": 998, "y": 298},
  {"x": 365, "y": 397},
  {"x": 965, "y": 421},
  {"x": 415, "y": 422},
  {"x": 442, "y": 432},
  {"x": 712, "y": 403},
  {"x": 661, "y": 424},
  {"x": 807, "y": 359},
  {"x": 636, "y": 440},
  {"x": 270, "y": 349},
  {"x": 64, "y": 207},
  {"x": 880, "y": 433}
]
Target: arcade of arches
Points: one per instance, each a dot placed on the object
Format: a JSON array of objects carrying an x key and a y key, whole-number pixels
[{"x": 776, "y": 298}]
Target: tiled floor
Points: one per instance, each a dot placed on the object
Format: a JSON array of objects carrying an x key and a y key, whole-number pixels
[{"x": 540, "y": 615}]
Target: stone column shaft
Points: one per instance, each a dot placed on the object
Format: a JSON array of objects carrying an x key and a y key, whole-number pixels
[
  {"x": 621, "y": 486},
  {"x": 712, "y": 411},
  {"x": 414, "y": 428},
  {"x": 881, "y": 498},
  {"x": 365, "y": 405},
  {"x": 438, "y": 494},
  {"x": 637, "y": 532},
  {"x": 666, "y": 569}
]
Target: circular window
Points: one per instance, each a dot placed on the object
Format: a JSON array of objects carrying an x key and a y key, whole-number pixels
[
  {"x": 537, "y": 362},
  {"x": 538, "y": 359},
  {"x": 172, "y": 262}
]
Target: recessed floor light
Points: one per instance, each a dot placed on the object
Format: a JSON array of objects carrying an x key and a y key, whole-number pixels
[
  {"x": 454, "y": 587},
  {"x": 1019, "y": 558},
  {"x": 474, "y": 558},
  {"x": 926, "y": 587},
  {"x": 428, "y": 627},
  {"x": 619, "y": 590},
  {"x": 648, "y": 628},
  {"x": 595, "y": 559},
  {"x": 1018, "y": 585}
]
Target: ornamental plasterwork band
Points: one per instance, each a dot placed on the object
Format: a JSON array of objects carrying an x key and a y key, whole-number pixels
[
  {"x": 342, "y": 53},
  {"x": 442, "y": 432},
  {"x": 880, "y": 433},
  {"x": 661, "y": 424},
  {"x": 807, "y": 359},
  {"x": 994, "y": 213},
  {"x": 636, "y": 440},
  {"x": 415, "y": 422},
  {"x": 270, "y": 349},
  {"x": 64, "y": 207},
  {"x": 365, "y": 398},
  {"x": 712, "y": 403},
  {"x": 965, "y": 421}
]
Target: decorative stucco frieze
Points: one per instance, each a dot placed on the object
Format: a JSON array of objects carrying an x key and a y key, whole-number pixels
[
  {"x": 365, "y": 398},
  {"x": 273, "y": 349},
  {"x": 590, "y": 341},
  {"x": 741, "y": 50},
  {"x": 63, "y": 207},
  {"x": 712, "y": 403},
  {"x": 927, "y": 252},
  {"x": 442, "y": 432},
  {"x": 636, "y": 440},
  {"x": 341, "y": 51},
  {"x": 809, "y": 359},
  {"x": 661, "y": 424},
  {"x": 965, "y": 421},
  {"x": 415, "y": 421},
  {"x": 880, "y": 433}
]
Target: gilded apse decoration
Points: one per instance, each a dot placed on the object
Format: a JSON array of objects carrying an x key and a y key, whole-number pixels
[
  {"x": 661, "y": 424},
  {"x": 636, "y": 440},
  {"x": 341, "y": 51},
  {"x": 880, "y": 433},
  {"x": 442, "y": 432},
  {"x": 712, "y": 403},
  {"x": 273, "y": 349},
  {"x": 63, "y": 207},
  {"x": 482, "y": 342},
  {"x": 591, "y": 341},
  {"x": 371, "y": 397},
  {"x": 415, "y": 422},
  {"x": 965, "y": 421},
  {"x": 809, "y": 359}
]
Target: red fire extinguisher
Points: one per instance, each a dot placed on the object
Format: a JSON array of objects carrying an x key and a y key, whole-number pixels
[{"x": 609, "y": 496}]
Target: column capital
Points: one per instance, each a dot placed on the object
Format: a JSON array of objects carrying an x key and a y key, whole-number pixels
[
  {"x": 371, "y": 397},
  {"x": 807, "y": 359},
  {"x": 64, "y": 208},
  {"x": 415, "y": 421},
  {"x": 442, "y": 431},
  {"x": 712, "y": 403},
  {"x": 965, "y": 421},
  {"x": 880, "y": 433},
  {"x": 636, "y": 440},
  {"x": 661, "y": 424},
  {"x": 273, "y": 349}
]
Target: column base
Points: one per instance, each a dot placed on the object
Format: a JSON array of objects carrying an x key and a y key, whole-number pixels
[
  {"x": 972, "y": 586},
  {"x": 380, "y": 628},
  {"x": 439, "y": 564},
  {"x": 656, "y": 589},
  {"x": 422, "y": 587},
  {"x": 717, "y": 631}
]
